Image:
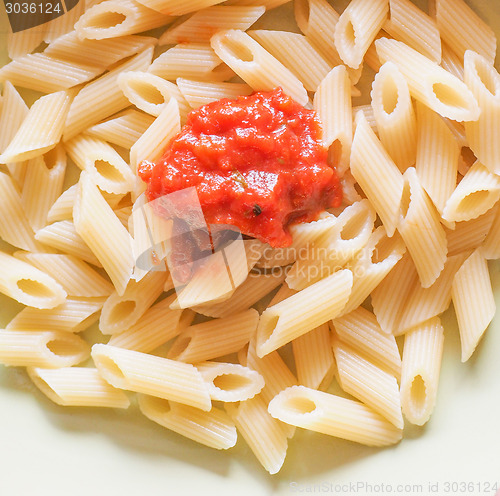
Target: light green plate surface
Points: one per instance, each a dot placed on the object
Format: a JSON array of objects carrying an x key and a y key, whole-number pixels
[{"x": 50, "y": 450}]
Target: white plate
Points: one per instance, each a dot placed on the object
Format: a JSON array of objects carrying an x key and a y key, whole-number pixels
[{"x": 50, "y": 450}]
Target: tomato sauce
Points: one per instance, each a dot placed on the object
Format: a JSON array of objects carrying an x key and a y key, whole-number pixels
[{"x": 257, "y": 163}]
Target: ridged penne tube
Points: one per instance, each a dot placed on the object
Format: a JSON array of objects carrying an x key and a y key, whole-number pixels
[
  {"x": 362, "y": 332},
  {"x": 296, "y": 53},
  {"x": 13, "y": 111},
  {"x": 124, "y": 129},
  {"x": 215, "y": 338},
  {"x": 47, "y": 349},
  {"x": 24, "y": 42},
  {"x": 314, "y": 358},
  {"x": 484, "y": 82},
  {"x": 120, "y": 312},
  {"x": 62, "y": 236},
  {"x": 28, "y": 285},
  {"x": 62, "y": 208},
  {"x": 424, "y": 303},
  {"x": 43, "y": 183},
  {"x": 41, "y": 130},
  {"x": 389, "y": 297},
  {"x": 357, "y": 27},
  {"x": 151, "y": 93},
  {"x": 491, "y": 245},
  {"x": 200, "y": 26},
  {"x": 246, "y": 295},
  {"x": 213, "y": 428},
  {"x": 112, "y": 18},
  {"x": 157, "y": 325},
  {"x": 102, "y": 95},
  {"x": 302, "y": 312},
  {"x": 191, "y": 60},
  {"x": 74, "y": 275},
  {"x": 47, "y": 74},
  {"x": 73, "y": 315},
  {"x": 371, "y": 264},
  {"x": 103, "y": 53},
  {"x": 151, "y": 145},
  {"x": 230, "y": 382},
  {"x": 369, "y": 162},
  {"x": 177, "y": 8},
  {"x": 476, "y": 193},
  {"x": 407, "y": 23},
  {"x": 255, "y": 65},
  {"x": 333, "y": 415},
  {"x": 332, "y": 102},
  {"x": 77, "y": 386},
  {"x": 153, "y": 375},
  {"x": 419, "y": 215},
  {"x": 198, "y": 93},
  {"x": 422, "y": 354},
  {"x": 102, "y": 231},
  {"x": 393, "y": 111},
  {"x": 264, "y": 435},
  {"x": 437, "y": 156},
  {"x": 368, "y": 383},
  {"x": 429, "y": 83},
  {"x": 462, "y": 29},
  {"x": 472, "y": 284},
  {"x": 15, "y": 227},
  {"x": 451, "y": 61}
]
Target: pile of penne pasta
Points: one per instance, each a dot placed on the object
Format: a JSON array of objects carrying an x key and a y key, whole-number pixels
[{"x": 420, "y": 168}]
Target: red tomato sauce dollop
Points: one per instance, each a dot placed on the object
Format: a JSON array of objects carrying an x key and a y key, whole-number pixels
[{"x": 257, "y": 163}]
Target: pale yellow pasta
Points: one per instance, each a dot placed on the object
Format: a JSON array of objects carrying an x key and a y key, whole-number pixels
[
  {"x": 369, "y": 115},
  {"x": 102, "y": 95},
  {"x": 333, "y": 415},
  {"x": 368, "y": 383},
  {"x": 418, "y": 215},
  {"x": 15, "y": 227},
  {"x": 302, "y": 312},
  {"x": 422, "y": 355},
  {"x": 424, "y": 303},
  {"x": 153, "y": 375},
  {"x": 389, "y": 297},
  {"x": 313, "y": 358},
  {"x": 75, "y": 314},
  {"x": 215, "y": 338},
  {"x": 24, "y": 42},
  {"x": 151, "y": 145},
  {"x": 362, "y": 332},
  {"x": 491, "y": 245},
  {"x": 198, "y": 93},
  {"x": 62, "y": 208},
  {"x": 200, "y": 26},
  {"x": 157, "y": 325},
  {"x": 112, "y": 18},
  {"x": 394, "y": 114},
  {"x": 191, "y": 60},
  {"x": 255, "y": 65},
  {"x": 332, "y": 102},
  {"x": 296, "y": 53},
  {"x": 47, "y": 349},
  {"x": 437, "y": 156},
  {"x": 213, "y": 428},
  {"x": 462, "y": 29},
  {"x": 77, "y": 386},
  {"x": 407, "y": 23},
  {"x": 451, "y": 61},
  {"x": 264, "y": 435},
  {"x": 357, "y": 27},
  {"x": 476, "y": 193},
  {"x": 429, "y": 83},
  {"x": 41, "y": 129},
  {"x": 230, "y": 382},
  {"x": 484, "y": 82},
  {"x": 28, "y": 285},
  {"x": 369, "y": 162},
  {"x": 120, "y": 312},
  {"x": 63, "y": 236},
  {"x": 101, "y": 230},
  {"x": 472, "y": 284},
  {"x": 64, "y": 24},
  {"x": 176, "y": 7}
]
